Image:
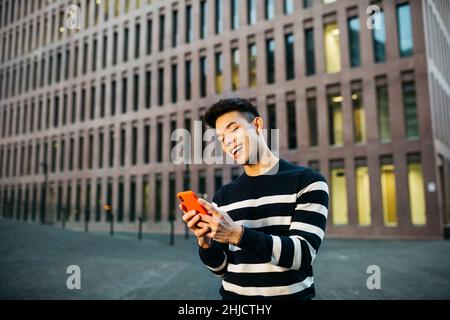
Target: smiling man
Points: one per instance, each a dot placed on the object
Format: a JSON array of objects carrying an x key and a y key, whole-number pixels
[{"x": 266, "y": 226}]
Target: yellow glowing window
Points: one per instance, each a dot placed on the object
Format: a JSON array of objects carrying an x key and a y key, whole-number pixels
[
  {"x": 219, "y": 73},
  {"x": 332, "y": 48},
  {"x": 335, "y": 120},
  {"x": 416, "y": 194},
  {"x": 339, "y": 196},
  {"x": 138, "y": 3},
  {"x": 116, "y": 8},
  {"x": 363, "y": 195},
  {"x": 359, "y": 118},
  {"x": 127, "y": 6},
  {"x": 235, "y": 69},
  {"x": 106, "y": 8},
  {"x": 388, "y": 193},
  {"x": 252, "y": 65}
]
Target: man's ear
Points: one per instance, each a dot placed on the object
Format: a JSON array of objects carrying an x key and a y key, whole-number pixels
[{"x": 258, "y": 123}]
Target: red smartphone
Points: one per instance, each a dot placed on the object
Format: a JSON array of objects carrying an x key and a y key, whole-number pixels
[{"x": 189, "y": 202}]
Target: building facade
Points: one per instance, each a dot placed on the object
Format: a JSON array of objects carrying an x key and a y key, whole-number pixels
[{"x": 91, "y": 91}]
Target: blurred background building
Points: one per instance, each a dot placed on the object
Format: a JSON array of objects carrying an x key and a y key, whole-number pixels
[{"x": 86, "y": 115}]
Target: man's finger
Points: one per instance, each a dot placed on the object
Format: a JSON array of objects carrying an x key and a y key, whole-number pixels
[
  {"x": 206, "y": 218},
  {"x": 210, "y": 207},
  {"x": 193, "y": 222}
]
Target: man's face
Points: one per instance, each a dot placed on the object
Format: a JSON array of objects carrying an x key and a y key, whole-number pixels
[{"x": 237, "y": 136}]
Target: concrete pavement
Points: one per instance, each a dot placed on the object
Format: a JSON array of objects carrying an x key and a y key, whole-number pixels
[{"x": 34, "y": 259}]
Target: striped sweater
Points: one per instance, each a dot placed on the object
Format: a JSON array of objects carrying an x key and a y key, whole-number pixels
[{"x": 284, "y": 216}]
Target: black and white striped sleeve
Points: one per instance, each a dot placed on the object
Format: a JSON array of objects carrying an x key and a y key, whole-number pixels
[{"x": 306, "y": 230}]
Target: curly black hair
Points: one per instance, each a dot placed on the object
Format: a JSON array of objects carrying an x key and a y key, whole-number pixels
[{"x": 223, "y": 106}]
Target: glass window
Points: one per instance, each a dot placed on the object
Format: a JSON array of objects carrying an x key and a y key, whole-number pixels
[
  {"x": 270, "y": 56},
  {"x": 160, "y": 86},
  {"x": 379, "y": 38},
  {"x": 111, "y": 148},
  {"x": 124, "y": 93},
  {"x": 136, "y": 92},
  {"x": 312, "y": 122},
  {"x": 359, "y": 117},
  {"x": 252, "y": 65},
  {"x": 188, "y": 79},
  {"x": 147, "y": 143},
  {"x": 335, "y": 120},
  {"x": 288, "y": 7},
  {"x": 132, "y": 200},
  {"x": 175, "y": 27},
  {"x": 251, "y": 13},
  {"x": 203, "y": 79},
  {"x": 353, "y": 34},
  {"x": 219, "y": 72},
  {"x": 309, "y": 52},
  {"x": 161, "y": 32},
  {"x": 234, "y": 14},
  {"x": 120, "y": 200},
  {"x": 149, "y": 36},
  {"x": 363, "y": 194},
  {"x": 126, "y": 32},
  {"x": 332, "y": 48},
  {"x": 328, "y": 1},
  {"x": 416, "y": 191},
  {"x": 271, "y": 122},
  {"x": 388, "y": 193},
  {"x": 159, "y": 142},
  {"x": 134, "y": 145},
  {"x": 338, "y": 194},
  {"x": 405, "y": 33},
  {"x": 122, "y": 146},
  {"x": 174, "y": 79},
  {"x": 189, "y": 34},
  {"x": 98, "y": 202},
  {"x": 137, "y": 37},
  {"x": 145, "y": 198},
  {"x": 203, "y": 19},
  {"x": 292, "y": 125},
  {"x": 235, "y": 82},
  {"x": 410, "y": 109},
  {"x": 148, "y": 89},
  {"x": 290, "y": 54},
  {"x": 383, "y": 113},
  {"x": 158, "y": 200},
  {"x": 269, "y": 9},
  {"x": 219, "y": 17}
]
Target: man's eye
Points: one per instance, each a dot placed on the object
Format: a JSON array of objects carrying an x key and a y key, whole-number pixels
[{"x": 235, "y": 129}]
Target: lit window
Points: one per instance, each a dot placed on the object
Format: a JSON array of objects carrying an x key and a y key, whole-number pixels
[
  {"x": 252, "y": 65},
  {"x": 416, "y": 191},
  {"x": 219, "y": 72},
  {"x": 359, "y": 117},
  {"x": 388, "y": 193},
  {"x": 235, "y": 83},
  {"x": 363, "y": 194},
  {"x": 332, "y": 49},
  {"x": 338, "y": 194},
  {"x": 335, "y": 120}
]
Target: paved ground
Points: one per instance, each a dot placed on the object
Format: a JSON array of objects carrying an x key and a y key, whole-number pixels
[{"x": 34, "y": 259}]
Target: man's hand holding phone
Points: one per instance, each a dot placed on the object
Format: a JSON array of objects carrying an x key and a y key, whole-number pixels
[
  {"x": 199, "y": 229},
  {"x": 208, "y": 222}
]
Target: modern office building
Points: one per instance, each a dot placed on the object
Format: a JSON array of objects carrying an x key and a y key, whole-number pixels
[{"x": 90, "y": 92}]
